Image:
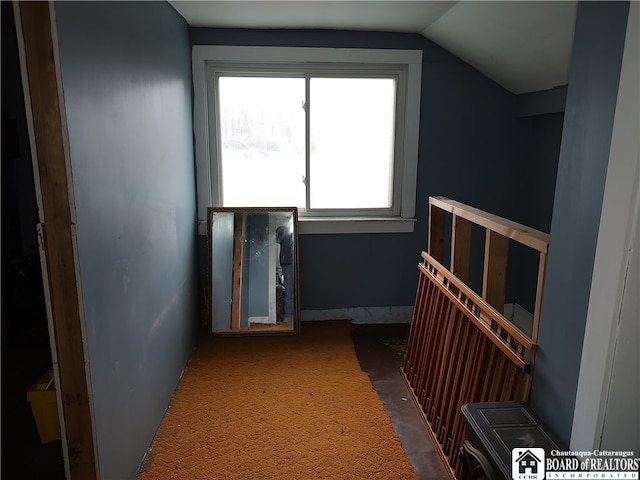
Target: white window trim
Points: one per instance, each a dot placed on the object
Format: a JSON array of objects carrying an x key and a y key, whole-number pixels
[{"x": 202, "y": 55}]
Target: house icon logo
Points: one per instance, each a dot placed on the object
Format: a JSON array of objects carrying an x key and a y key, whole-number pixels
[{"x": 527, "y": 463}]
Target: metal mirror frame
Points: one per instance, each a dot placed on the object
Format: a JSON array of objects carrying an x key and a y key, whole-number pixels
[{"x": 211, "y": 211}]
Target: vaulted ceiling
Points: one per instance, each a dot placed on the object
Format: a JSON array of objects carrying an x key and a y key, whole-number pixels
[{"x": 524, "y": 46}]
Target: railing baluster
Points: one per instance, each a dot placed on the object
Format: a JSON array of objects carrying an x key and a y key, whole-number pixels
[
  {"x": 436, "y": 356},
  {"x": 430, "y": 345},
  {"x": 443, "y": 373},
  {"x": 414, "y": 346},
  {"x": 499, "y": 380},
  {"x": 491, "y": 357},
  {"x": 460, "y": 350},
  {"x": 459, "y": 371},
  {"x": 416, "y": 325},
  {"x": 454, "y": 365},
  {"x": 423, "y": 333}
]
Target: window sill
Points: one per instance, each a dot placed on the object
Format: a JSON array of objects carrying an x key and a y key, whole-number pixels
[
  {"x": 334, "y": 225},
  {"x": 356, "y": 225}
]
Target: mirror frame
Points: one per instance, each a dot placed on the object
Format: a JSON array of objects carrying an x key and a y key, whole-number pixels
[{"x": 211, "y": 211}]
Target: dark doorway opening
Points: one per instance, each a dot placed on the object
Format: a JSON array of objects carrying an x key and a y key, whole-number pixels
[{"x": 26, "y": 351}]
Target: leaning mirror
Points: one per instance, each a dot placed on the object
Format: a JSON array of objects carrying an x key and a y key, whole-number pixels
[{"x": 252, "y": 270}]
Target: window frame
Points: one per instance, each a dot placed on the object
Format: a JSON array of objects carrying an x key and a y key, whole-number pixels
[
  {"x": 307, "y": 74},
  {"x": 208, "y": 61}
]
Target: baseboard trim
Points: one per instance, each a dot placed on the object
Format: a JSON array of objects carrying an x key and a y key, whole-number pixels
[
  {"x": 392, "y": 314},
  {"x": 402, "y": 314},
  {"x": 519, "y": 316}
]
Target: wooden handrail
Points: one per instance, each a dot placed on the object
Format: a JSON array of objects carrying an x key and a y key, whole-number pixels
[
  {"x": 516, "y": 231},
  {"x": 460, "y": 350},
  {"x": 498, "y": 233}
]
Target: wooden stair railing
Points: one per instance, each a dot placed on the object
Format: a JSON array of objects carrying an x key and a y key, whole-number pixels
[
  {"x": 461, "y": 348},
  {"x": 499, "y": 231}
]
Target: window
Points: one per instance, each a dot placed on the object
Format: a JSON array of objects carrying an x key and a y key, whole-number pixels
[
  {"x": 342, "y": 164},
  {"x": 331, "y": 131}
]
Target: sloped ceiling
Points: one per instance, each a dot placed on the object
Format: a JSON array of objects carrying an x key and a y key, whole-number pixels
[{"x": 525, "y": 46}]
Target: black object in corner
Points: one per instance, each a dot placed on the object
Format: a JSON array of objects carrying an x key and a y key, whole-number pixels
[{"x": 493, "y": 430}]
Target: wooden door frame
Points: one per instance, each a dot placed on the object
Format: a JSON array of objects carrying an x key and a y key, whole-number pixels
[{"x": 39, "y": 63}]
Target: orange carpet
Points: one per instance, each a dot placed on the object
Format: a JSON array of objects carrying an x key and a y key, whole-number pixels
[{"x": 294, "y": 407}]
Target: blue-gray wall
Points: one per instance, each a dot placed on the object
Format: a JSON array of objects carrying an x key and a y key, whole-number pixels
[
  {"x": 540, "y": 149},
  {"x": 126, "y": 75},
  {"x": 468, "y": 150},
  {"x": 584, "y": 154}
]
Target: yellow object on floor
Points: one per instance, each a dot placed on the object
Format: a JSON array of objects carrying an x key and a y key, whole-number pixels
[{"x": 42, "y": 398}]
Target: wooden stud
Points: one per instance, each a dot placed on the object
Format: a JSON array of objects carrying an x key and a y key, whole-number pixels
[
  {"x": 494, "y": 279},
  {"x": 52, "y": 178}
]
